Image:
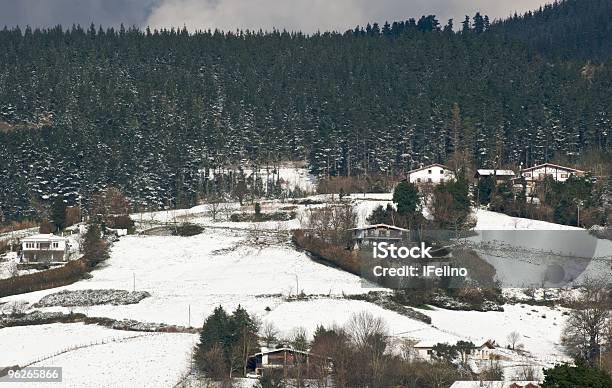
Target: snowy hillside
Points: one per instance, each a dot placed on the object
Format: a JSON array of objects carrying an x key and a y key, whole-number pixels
[{"x": 188, "y": 277}]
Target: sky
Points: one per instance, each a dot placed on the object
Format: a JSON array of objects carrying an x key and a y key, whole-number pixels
[{"x": 306, "y": 15}]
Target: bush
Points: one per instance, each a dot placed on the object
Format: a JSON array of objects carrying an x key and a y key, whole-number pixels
[
  {"x": 261, "y": 217},
  {"x": 57, "y": 277},
  {"x": 186, "y": 230},
  {"x": 337, "y": 255},
  {"x": 120, "y": 222}
]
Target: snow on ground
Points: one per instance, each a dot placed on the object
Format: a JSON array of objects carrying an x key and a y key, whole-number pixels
[
  {"x": 25, "y": 344},
  {"x": 158, "y": 360},
  {"x": 337, "y": 312},
  {"x": 189, "y": 276},
  {"x": 196, "y": 272},
  {"x": 539, "y": 326},
  {"x": 292, "y": 175},
  {"x": 488, "y": 220}
]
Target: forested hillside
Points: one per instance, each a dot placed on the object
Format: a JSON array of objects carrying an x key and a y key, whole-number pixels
[
  {"x": 152, "y": 112},
  {"x": 567, "y": 29}
]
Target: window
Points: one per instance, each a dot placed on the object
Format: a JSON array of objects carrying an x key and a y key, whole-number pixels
[
  {"x": 419, "y": 180},
  {"x": 527, "y": 175},
  {"x": 429, "y": 180},
  {"x": 441, "y": 171},
  {"x": 429, "y": 171},
  {"x": 563, "y": 175},
  {"x": 55, "y": 245}
]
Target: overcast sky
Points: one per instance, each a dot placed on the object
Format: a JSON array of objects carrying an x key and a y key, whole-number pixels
[{"x": 304, "y": 15}]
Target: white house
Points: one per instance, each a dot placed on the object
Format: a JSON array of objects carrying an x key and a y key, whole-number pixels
[
  {"x": 45, "y": 248},
  {"x": 558, "y": 173},
  {"x": 495, "y": 384},
  {"x": 432, "y": 174}
]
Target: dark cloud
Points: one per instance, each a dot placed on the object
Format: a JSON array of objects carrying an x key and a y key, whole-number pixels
[
  {"x": 44, "y": 13},
  {"x": 305, "y": 15}
]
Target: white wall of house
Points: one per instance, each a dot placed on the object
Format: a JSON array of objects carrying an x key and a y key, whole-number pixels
[
  {"x": 559, "y": 174},
  {"x": 431, "y": 174},
  {"x": 45, "y": 245}
]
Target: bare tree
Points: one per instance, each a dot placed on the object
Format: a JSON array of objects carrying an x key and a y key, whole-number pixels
[
  {"x": 513, "y": 339},
  {"x": 269, "y": 333},
  {"x": 590, "y": 317},
  {"x": 214, "y": 206},
  {"x": 369, "y": 335},
  {"x": 527, "y": 371}
]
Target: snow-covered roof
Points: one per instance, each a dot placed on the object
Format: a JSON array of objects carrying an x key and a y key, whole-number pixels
[
  {"x": 485, "y": 172},
  {"x": 553, "y": 166},
  {"x": 427, "y": 167},
  {"x": 44, "y": 237},
  {"x": 427, "y": 344},
  {"x": 376, "y": 226},
  {"x": 494, "y": 384},
  {"x": 268, "y": 351}
]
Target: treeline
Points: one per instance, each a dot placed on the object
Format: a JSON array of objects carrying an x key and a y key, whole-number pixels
[
  {"x": 155, "y": 112},
  {"x": 570, "y": 29}
]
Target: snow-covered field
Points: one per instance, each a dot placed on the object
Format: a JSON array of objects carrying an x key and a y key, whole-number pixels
[
  {"x": 188, "y": 277},
  {"x": 202, "y": 272},
  {"x": 93, "y": 356}
]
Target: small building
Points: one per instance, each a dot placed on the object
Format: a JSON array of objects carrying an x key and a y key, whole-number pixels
[
  {"x": 500, "y": 176},
  {"x": 368, "y": 234},
  {"x": 432, "y": 175},
  {"x": 495, "y": 384},
  {"x": 44, "y": 248},
  {"x": 484, "y": 351},
  {"x": 540, "y": 172},
  {"x": 279, "y": 359}
]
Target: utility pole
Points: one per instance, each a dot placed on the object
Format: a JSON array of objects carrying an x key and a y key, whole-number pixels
[{"x": 189, "y": 317}]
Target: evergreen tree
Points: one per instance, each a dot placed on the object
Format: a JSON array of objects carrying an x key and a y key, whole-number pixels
[
  {"x": 406, "y": 198},
  {"x": 58, "y": 214},
  {"x": 566, "y": 376}
]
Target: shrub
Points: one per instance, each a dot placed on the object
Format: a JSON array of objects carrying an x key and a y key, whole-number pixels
[
  {"x": 120, "y": 222},
  {"x": 186, "y": 230},
  {"x": 261, "y": 217}
]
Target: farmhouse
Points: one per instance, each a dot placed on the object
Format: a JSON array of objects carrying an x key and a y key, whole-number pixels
[
  {"x": 279, "y": 359},
  {"x": 44, "y": 248},
  {"x": 558, "y": 173},
  {"x": 378, "y": 233},
  {"x": 531, "y": 176},
  {"x": 432, "y": 174},
  {"x": 500, "y": 176}
]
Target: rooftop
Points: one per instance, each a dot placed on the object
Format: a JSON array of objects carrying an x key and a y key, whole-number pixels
[
  {"x": 44, "y": 237},
  {"x": 553, "y": 166},
  {"x": 485, "y": 172},
  {"x": 385, "y": 226},
  {"x": 429, "y": 166}
]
